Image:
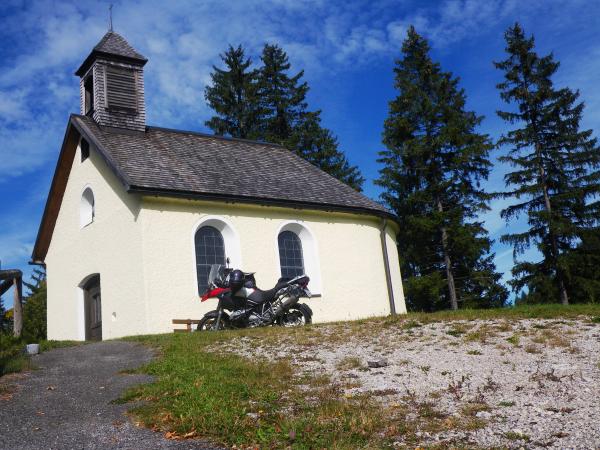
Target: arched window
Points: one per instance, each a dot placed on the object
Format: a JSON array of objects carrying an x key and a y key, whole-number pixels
[
  {"x": 291, "y": 259},
  {"x": 210, "y": 249},
  {"x": 87, "y": 208}
]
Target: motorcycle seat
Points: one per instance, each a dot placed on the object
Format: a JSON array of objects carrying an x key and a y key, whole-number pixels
[{"x": 259, "y": 296}]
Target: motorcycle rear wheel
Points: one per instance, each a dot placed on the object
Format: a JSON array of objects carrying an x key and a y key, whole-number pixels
[
  {"x": 209, "y": 324},
  {"x": 297, "y": 316}
]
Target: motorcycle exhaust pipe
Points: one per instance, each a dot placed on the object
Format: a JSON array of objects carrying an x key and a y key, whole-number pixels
[{"x": 286, "y": 303}]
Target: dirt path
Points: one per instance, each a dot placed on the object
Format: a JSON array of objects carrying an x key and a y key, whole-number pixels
[{"x": 66, "y": 404}]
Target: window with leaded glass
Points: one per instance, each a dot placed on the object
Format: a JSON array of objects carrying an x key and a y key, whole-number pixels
[
  {"x": 290, "y": 254},
  {"x": 210, "y": 249}
]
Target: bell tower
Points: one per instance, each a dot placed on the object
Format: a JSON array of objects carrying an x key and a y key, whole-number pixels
[{"x": 112, "y": 84}]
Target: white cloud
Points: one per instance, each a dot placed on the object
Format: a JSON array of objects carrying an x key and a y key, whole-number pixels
[
  {"x": 12, "y": 105},
  {"x": 15, "y": 246},
  {"x": 44, "y": 43},
  {"x": 455, "y": 20},
  {"x": 183, "y": 41}
]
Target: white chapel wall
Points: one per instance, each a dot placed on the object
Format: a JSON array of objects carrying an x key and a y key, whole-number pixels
[
  {"x": 111, "y": 245},
  {"x": 348, "y": 247}
]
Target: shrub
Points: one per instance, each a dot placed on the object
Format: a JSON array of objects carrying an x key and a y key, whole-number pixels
[{"x": 34, "y": 315}]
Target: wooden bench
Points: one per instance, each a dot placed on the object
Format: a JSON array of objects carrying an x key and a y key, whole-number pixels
[{"x": 188, "y": 325}]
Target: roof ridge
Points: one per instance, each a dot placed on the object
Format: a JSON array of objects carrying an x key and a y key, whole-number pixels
[{"x": 120, "y": 46}]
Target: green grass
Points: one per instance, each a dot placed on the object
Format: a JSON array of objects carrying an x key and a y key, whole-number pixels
[
  {"x": 349, "y": 363},
  {"x": 50, "y": 345},
  {"x": 549, "y": 311},
  {"x": 515, "y": 339},
  {"x": 12, "y": 356},
  {"x": 251, "y": 403},
  {"x": 513, "y": 436},
  {"x": 506, "y": 404},
  {"x": 236, "y": 401}
]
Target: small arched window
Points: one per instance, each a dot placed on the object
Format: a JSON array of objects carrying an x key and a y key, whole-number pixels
[
  {"x": 291, "y": 259},
  {"x": 87, "y": 208},
  {"x": 210, "y": 249}
]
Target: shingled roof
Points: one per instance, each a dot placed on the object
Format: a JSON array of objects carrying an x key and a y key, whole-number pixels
[
  {"x": 173, "y": 162},
  {"x": 112, "y": 45},
  {"x": 115, "y": 44}
]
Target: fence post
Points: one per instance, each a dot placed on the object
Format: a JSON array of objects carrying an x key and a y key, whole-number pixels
[{"x": 17, "y": 307}]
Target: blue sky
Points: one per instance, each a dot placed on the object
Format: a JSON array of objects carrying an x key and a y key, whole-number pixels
[{"x": 347, "y": 50}]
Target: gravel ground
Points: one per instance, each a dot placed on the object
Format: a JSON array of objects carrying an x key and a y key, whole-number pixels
[
  {"x": 66, "y": 403},
  {"x": 528, "y": 383}
]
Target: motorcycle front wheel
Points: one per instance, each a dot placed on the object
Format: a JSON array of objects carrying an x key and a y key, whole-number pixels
[
  {"x": 298, "y": 315},
  {"x": 209, "y": 323}
]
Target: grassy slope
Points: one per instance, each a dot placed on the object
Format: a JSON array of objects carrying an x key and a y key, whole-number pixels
[{"x": 235, "y": 401}]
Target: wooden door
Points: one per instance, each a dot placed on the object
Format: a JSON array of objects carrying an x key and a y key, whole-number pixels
[{"x": 94, "y": 313}]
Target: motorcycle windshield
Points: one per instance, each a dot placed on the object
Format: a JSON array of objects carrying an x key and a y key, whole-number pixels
[{"x": 215, "y": 274}]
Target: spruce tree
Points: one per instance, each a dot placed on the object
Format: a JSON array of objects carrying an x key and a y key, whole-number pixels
[
  {"x": 555, "y": 176},
  {"x": 319, "y": 146},
  {"x": 433, "y": 165},
  {"x": 269, "y": 104},
  {"x": 35, "y": 307},
  {"x": 233, "y": 95},
  {"x": 282, "y": 97},
  {"x": 583, "y": 264},
  {"x": 287, "y": 121}
]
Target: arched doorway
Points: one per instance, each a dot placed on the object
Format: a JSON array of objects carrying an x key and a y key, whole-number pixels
[{"x": 93, "y": 309}]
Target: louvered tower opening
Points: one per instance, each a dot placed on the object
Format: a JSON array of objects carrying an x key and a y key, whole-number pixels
[
  {"x": 121, "y": 89},
  {"x": 89, "y": 95}
]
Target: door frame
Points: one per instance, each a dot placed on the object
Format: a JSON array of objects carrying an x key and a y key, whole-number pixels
[{"x": 91, "y": 288}]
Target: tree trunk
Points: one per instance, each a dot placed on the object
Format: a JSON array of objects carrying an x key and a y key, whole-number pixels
[
  {"x": 564, "y": 297},
  {"x": 448, "y": 264},
  {"x": 17, "y": 308}
]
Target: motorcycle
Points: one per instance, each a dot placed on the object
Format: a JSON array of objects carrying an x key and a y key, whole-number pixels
[{"x": 250, "y": 306}]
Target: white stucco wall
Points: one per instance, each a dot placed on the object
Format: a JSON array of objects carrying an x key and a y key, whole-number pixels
[
  {"x": 111, "y": 245},
  {"x": 143, "y": 249},
  {"x": 348, "y": 248}
]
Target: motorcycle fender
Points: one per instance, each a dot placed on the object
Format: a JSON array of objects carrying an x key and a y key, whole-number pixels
[
  {"x": 306, "y": 307},
  {"x": 214, "y": 314}
]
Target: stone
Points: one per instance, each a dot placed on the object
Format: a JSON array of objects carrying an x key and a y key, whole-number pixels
[
  {"x": 376, "y": 363},
  {"x": 564, "y": 370}
]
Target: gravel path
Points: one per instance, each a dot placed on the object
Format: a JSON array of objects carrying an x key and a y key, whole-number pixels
[
  {"x": 66, "y": 404},
  {"x": 518, "y": 384}
]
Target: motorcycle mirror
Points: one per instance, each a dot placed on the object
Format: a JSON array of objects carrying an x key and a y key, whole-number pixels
[{"x": 227, "y": 261}]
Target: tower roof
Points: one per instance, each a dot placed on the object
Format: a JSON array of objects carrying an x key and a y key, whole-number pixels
[{"x": 112, "y": 45}]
